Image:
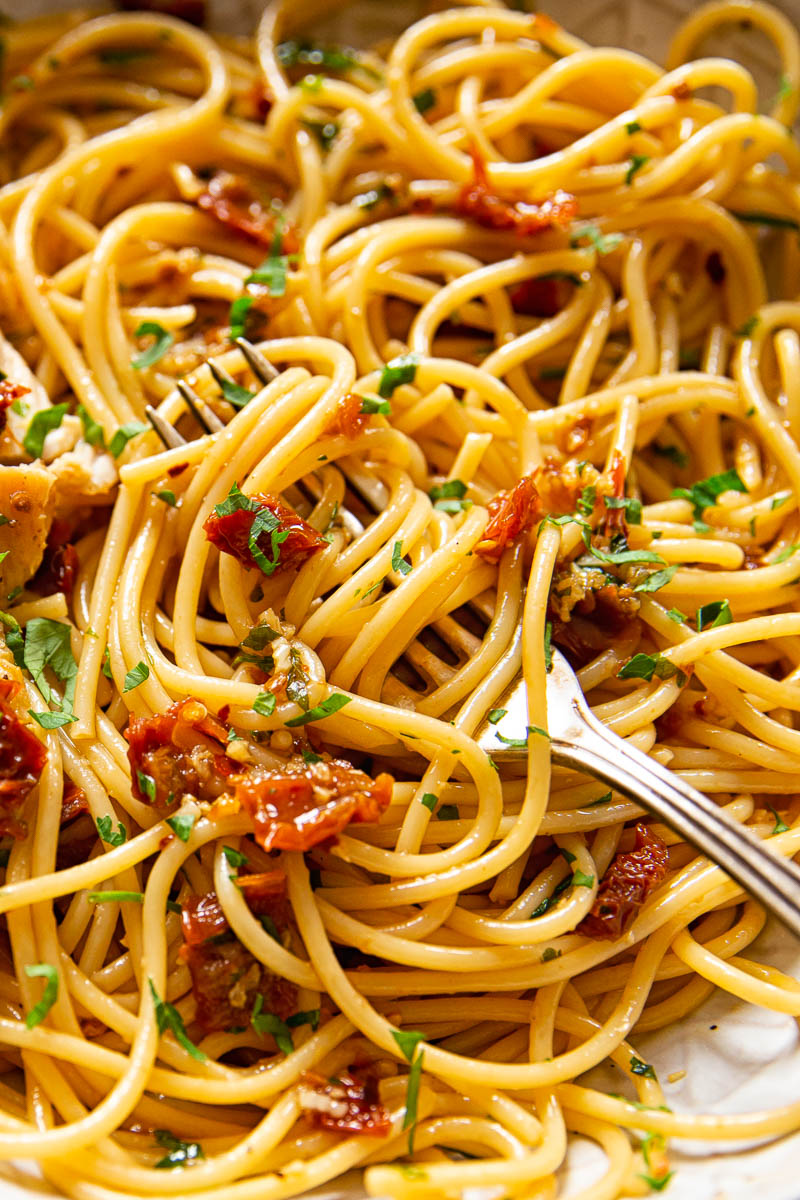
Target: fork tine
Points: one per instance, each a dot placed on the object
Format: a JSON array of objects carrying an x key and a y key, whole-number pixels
[
  {"x": 261, "y": 367},
  {"x": 220, "y": 376},
  {"x": 169, "y": 436},
  {"x": 206, "y": 419}
]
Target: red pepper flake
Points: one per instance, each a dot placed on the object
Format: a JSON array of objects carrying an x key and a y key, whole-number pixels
[
  {"x": 284, "y": 541},
  {"x": 681, "y": 91},
  {"x": 544, "y": 24},
  {"x": 479, "y": 203},
  {"x": 627, "y": 883},
  {"x": 22, "y": 759},
  {"x": 306, "y": 804},
  {"x": 347, "y": 418},
  {"x": 510, "y": 514},
  {"x": 59, "y": 565},
  {"x": 229, "y": 200},
  {"x": 176, "y": 754},
  {"x": 178, "y": 469},
  {"x": 347, "y": 1104},
  {"x": 9, "y": 392}
]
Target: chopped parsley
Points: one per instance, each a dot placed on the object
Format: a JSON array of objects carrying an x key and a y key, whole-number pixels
[
  {"x": 267, "y": 1022},
  {"x": 113, "y": 837},
  {"x": 136, "y": 676},
  {"x": 180, "y": 1153},
  {"x": 41, "y": 424},
  {"x": 182, "y": 824},
  {"x": 645, "y": 666},
  {"x": 119, "y": 897},
  {"x": 397, "y": 372},
  {"x": 398, "y": 562},
  {"x": 714, "y": 614},
  {"x": 706, "y": 492},
  {"x": 639, "y": 1067},
  {"x": 124, "y": 434},
  {"x": 656, "y": 580},
  {"x": 264, "y": 704},
  {"x": 49, "y": 995},
  {"x": 637, "y": 161},
  {"x": 424, "y": 100},
  {"x": 326, "y": 709},
  {"x": 157, "y": 349},
  {"x": 168, "y": 1017}
]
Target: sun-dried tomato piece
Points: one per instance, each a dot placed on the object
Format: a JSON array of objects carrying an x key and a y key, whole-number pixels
[
  {"x": 542, "y": 297},
  {"x": 202, "y": 916},
  {"x": 226, "y": 977},
  {"x": 479, "y": 203},
  {"x": 60, "y": 563},
  {"x": 627, "y": 883},
  {"x": 347, "y": 1104},
  {"x": 193, "y": 11},
  {"x": 73, "y": 802},
  {"x": 283, "y": 547},
  {"x": 347, "y": 418},
  {"x": 9, "y": 392},
  {"x": 305, "y": 804},
  {"x": 614, "y": 518},
  {"x": 177, "y": 754},
  {"x": 230, "y": 200},
  {"x": 510, "y": 514},
  {"x": 22, "y": 759}
]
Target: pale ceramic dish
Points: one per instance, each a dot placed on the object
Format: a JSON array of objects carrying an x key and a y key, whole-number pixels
[{"x": 730, "y": 1056}]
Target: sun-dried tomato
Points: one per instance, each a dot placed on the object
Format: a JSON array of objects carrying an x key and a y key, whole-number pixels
[
  {"x": 22, "y": 759},
  {"x": 542, "y": 297},
  {"x": 193, "y": 11},
  {"x": 226, "y": 977},
  {"x": 715, "y": 267},
  {"x": 9, "y": 392},
  {"x": 347, "y": 1104},
  {"x": 60, "y": 563},
  {"x": 202, "y": 916},
  {"x": 230, "y": 200},
  {"x": 510, "y": 514},
  {"x": 614, "y": 518},
  {"x": 231, "y": 533},
  {"x": 176, "y": 754},
  {"x": 479, "y": 203},
  {"x": 73, "y": 802},
  {"x": 347, "y": 418},
  {"x": 627, "y": 883},
  {"x": 305, "y": 804}
]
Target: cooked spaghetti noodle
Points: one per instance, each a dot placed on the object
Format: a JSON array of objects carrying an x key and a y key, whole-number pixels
[{"x": 270, "y": 912}]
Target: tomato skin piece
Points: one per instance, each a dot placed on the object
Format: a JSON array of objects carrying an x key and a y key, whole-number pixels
[
  {"x": 309, "y": 804},
  {"x": 542, "y": 297},
  {"x": 510, "y": 514},
  {"x": 181, "y": 752},
  {"x": 230, "y": 534},
  {"x": 627, "y": 883},
  {"x": 22, "y": 760},
  {"x": 351, "y": 1100},
  {"x": 347, "y": 418},
  {"x": 479, "y": 203}
]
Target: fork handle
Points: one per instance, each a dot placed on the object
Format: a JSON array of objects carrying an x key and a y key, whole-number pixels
[{"x": 772, "y": 880}]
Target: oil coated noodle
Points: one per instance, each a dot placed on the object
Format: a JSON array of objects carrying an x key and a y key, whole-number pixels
[{"x": 529, "y": 377}]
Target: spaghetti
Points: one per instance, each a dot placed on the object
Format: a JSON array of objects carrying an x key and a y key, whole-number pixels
[{"x": 270, "y": 913}]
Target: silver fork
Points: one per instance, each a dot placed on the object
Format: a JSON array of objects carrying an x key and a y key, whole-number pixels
[{"x": 580, "y": 741}]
